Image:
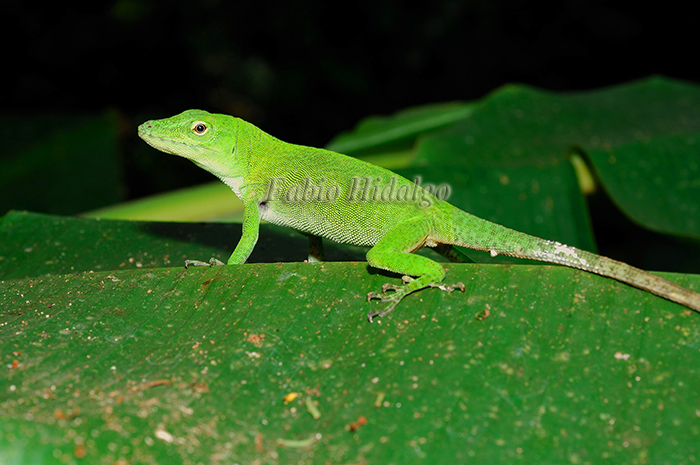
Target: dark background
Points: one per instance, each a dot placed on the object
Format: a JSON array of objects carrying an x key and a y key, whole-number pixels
[{"x": 307, "y": 71}]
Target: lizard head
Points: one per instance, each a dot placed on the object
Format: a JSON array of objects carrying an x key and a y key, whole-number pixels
[{"x": 208, "y": 139}]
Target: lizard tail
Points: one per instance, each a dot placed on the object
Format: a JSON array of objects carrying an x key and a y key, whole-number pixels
[{"x": 478, "y": 234}]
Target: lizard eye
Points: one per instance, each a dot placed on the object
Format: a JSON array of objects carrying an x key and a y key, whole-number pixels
[{"x": 199, "y": 128}]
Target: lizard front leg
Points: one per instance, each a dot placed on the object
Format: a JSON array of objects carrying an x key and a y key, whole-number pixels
[{"x": 249, "y": 237}]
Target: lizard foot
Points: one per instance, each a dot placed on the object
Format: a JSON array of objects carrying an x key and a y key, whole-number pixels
[
  {"x": 212, "y": 262},
  {"x": 381, "y": 313},
  {"x": 392, "y": 299},
  {"x": 399, "y": 293}
]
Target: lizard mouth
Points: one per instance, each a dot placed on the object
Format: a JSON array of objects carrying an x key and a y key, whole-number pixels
[{"x": 167, "y": 145}]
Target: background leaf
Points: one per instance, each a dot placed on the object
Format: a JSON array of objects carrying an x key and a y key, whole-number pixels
[{"x": 641, "y": 139}]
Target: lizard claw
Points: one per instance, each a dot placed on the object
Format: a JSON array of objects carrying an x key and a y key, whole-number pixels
[
  {"x": 449, "y": 287},
  {"x": 388, "y": 286},
  {"x": 373, "y": 314},
  {"x": 385, "y": 288},
  {"x": 459, "y": 285},
  {"x": 212, "y": 262}
]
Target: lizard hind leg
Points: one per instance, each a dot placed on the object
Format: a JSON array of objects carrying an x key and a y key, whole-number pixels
[
  {"x": 393, "y": 253},
  {"x": 316, "y": 254}
]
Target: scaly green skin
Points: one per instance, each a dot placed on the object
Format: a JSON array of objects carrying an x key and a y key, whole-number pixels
[{"x": 275, "y": 182}]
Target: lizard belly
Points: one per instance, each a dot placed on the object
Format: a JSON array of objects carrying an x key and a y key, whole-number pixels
[{"x": 346, "y": 224}]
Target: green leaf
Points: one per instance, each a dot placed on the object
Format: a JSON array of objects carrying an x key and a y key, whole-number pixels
[
  {"x": 656, "y": 182},
  {"x": 400, "y": 130},
  {"x": 152, "y": 364}
]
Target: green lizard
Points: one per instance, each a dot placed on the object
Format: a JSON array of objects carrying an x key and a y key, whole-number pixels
[{"x": 325, "y": 194}]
